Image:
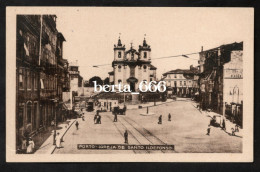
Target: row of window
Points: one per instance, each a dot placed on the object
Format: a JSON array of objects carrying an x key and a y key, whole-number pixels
[
  {"x": 132, "y": 55},
  {"x": 31, "y": 111},
  {"x": 119, "y": 68},
  {"x": 27, "y": 113},
  {"x": 180, "y": 83},
  {"x": 29, "y": 80}
]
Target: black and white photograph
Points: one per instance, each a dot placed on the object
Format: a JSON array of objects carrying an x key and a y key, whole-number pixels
[{"x": 172, "y": 84}]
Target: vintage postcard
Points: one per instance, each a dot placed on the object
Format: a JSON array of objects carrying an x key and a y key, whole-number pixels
[{"x": 121, "y": 84}]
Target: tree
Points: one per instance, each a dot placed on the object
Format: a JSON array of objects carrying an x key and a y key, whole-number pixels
[
  {"x": 106, "y": 81},
  {"x": 97, "y": 79}
]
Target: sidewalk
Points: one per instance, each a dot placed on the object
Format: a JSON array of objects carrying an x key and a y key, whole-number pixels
[
  {"x": 228, "y": 123},
  {"x": 47, "y": 147}
]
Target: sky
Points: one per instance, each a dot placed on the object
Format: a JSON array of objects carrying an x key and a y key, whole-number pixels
[{"x": 91, "y": 33}]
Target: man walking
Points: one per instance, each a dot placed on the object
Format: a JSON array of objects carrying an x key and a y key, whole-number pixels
[
  {"x": 77, "y": 125},
  {"x": 169, "y": 117},
  {"x": 224, "y": 125},
  {"x": 208, "y": 130},
  {"x": 115, "y": 118},
  {"x": 95, "y": 119},
  {"x": 99, "y": 119},
  {"x": 160, "y": 119},
  {"x": 126, "y": 136}
]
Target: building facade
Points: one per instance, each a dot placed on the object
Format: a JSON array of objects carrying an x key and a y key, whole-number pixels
[
  {"x": 219, "y": 68},
  {"x": 130, "y": 67},
  {"x": 76, "y": 81},
  {"x": 233, "y": 87},
  {"x": 39, "y": 69},
  {"x": 182, "y": 82}
]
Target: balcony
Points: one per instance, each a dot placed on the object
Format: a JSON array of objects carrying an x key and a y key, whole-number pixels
[{"x": 48, "y": 94}]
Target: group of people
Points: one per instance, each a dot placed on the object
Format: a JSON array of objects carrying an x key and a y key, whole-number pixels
[
  {"x": 97, "y": 119},
  {"x": 160, "y": 118},
  {"x": 27, "y": 143},
  {"x": 233, "y": 131}
]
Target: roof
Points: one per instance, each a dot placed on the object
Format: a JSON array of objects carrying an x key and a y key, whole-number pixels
[
  {"x": 133, "y": 51},
  {"x": 111, "y": 73},
  {"x": 230, "y": 47},
  {"x": 179, "y": 71},
  {"x": 152, "y": 67},
  {"x": 60, "y": 35}
]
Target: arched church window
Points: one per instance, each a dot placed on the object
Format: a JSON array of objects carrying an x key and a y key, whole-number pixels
[
  {"x": 145, "y": 67},
  {"x": 119, "y": 68},
  {"x": 119, "y": 54}
]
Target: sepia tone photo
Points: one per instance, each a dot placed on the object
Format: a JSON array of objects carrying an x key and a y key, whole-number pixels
[{"x": 130, "y": 82}]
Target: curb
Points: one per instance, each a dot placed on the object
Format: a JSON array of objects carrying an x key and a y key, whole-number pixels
[{"x": 63, "y": 135}]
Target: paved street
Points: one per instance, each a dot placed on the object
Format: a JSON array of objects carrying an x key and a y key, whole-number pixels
[{"x": 187, "y": 131}]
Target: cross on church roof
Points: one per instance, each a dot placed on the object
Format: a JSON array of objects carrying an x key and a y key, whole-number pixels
[{"x": 131, "y": 44}]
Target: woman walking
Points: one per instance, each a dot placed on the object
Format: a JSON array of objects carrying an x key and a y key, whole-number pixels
[
  {"x": 58, "y": 141},
  {"x": 30, "y": 146}
]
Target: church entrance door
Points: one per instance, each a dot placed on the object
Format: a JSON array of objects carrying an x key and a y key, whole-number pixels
[{"x": 132, "y": 86}]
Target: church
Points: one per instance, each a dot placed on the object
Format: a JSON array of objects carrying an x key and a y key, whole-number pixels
[{"x": 130, "y": 67}]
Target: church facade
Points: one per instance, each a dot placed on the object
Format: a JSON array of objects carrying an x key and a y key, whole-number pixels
[{"x": 131, "y": 67}]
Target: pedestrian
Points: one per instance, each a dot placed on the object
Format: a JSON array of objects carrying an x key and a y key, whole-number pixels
[
  {"x": 58, "y": 140},
  {"x": 169, "y": 117},
  {"x": 236, "y": 128},
  {"x": 233, "y": 132},
  {"x": 126, "y": 136},
  {"x": 208, "y": 130},
  {"x": 160, "y": 119},
  {"x": 25, "y": 141},
  {"x": 24, "y": 144},
  {"x": 26, "y": 136},
  {"x": 99, "y": 119},
  {"x": 52, "y": 123},
  {"x": 224, "y": 125},
  {"x": 115, "y": 118},
  {"x": 95, "y": 119},
  {"x": 30, "y": 147},
  {"x": 83, "y": 118},
  {"x": 77, "y": 125}
]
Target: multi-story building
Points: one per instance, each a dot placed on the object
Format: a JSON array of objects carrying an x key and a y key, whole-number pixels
[
  {"x": 182, "y": 82},
  {"x": 76, "y": 81},
  {"x": 39, "y": 69},
  {"x": 233, "y": 86},
  {"x": 219, "y": 67},
  {"x": 132, "y": 67}
]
